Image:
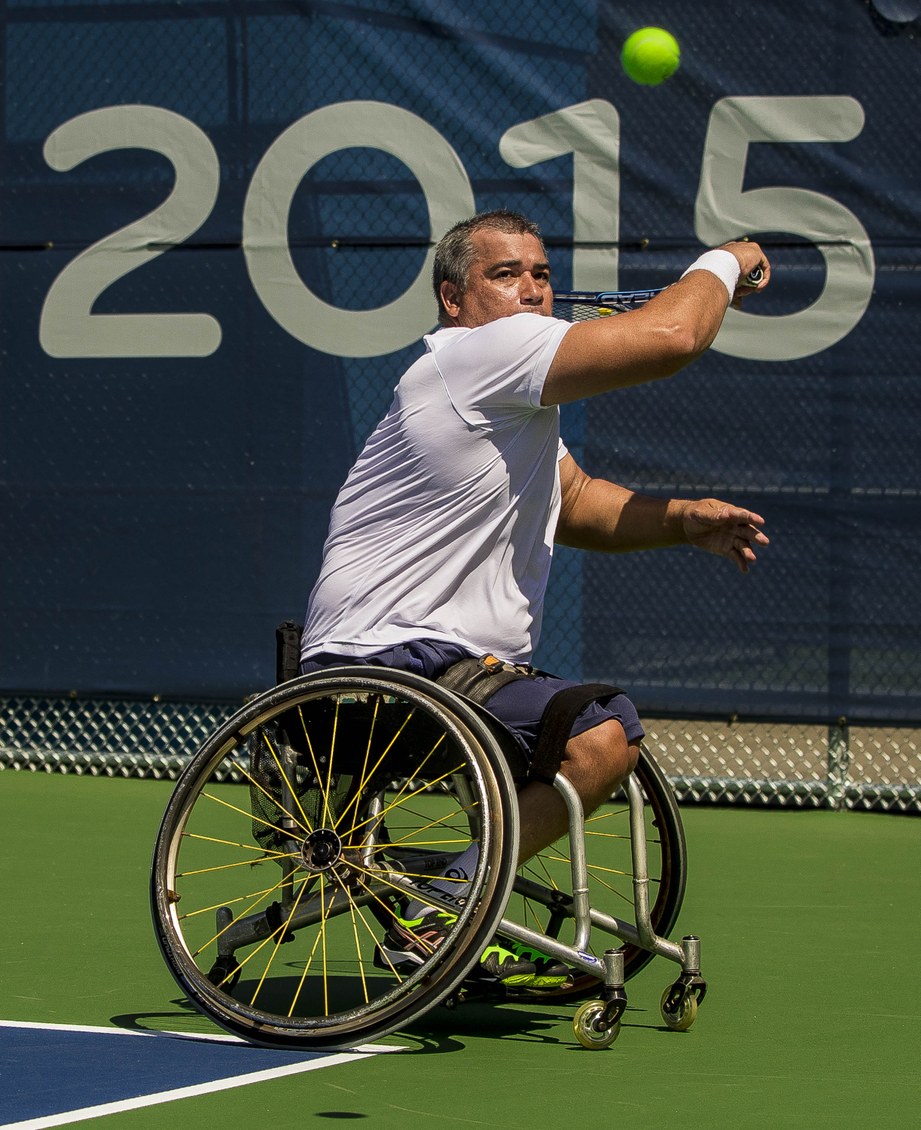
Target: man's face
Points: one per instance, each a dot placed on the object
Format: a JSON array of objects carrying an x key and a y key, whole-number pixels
[{"x": 510, "y": 275}]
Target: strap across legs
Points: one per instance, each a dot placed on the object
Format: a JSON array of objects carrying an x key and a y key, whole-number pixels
[{"x": 556, "y": 724}]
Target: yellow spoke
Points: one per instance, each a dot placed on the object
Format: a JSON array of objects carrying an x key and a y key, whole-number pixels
[
  {"x": 284, "y": 776},
  {"x": 236, "y": 844},
  {"x": 281, "y": 931},
  {"x": 382, "y": 878},
  {"x": 417, "y": 771},
  {"x": 610, "y": 836},
  {"x": 389, "y": 747},
  {"x": 231, "y": 866},
  {"x": 361, "y": 965},
  {"x": 531, "y": 916},
  {"x": 538, "y": 866},
  {"x": 608, "y": 814},
  {"x": 250, "y": 815},
  {"x": 595, "y": 868},
  {"x": 329, "y": 763},
  {"x": 256, "y": 896},
  {"x": 611, "y": 889},
  {"x": 406, "y": 813},
  {"x": 404, "y": 874},
  {"x": 556, "y": 858},
  {"x": 313, "y": 758},
  {"x": 324, "y": 947},
  {"x": 274, "y": 800},
  {"x": 316, "y": 942},
  {"x": 398, "y": 803},
  {"x": 356, "y": 910},
  {"x": 224, "y": 902},
  {"x": 364, "y": 775},
  {"x": 409, "y": 837},
  {"x": 370, "y": 929}
]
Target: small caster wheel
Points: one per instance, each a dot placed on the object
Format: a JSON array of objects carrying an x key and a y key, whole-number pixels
[
  {"x": 590, "y": 1027},
  {"x": 679, "y": 1015}
]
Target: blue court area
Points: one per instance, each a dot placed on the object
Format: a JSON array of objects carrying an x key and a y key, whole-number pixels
[{"x": 51, "y": 1075}]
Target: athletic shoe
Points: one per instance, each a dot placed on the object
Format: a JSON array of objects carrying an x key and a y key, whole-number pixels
[{"x": 409, "y": 943}]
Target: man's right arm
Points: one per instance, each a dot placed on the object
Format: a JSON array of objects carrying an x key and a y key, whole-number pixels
[{"x": 655, "y": 341}]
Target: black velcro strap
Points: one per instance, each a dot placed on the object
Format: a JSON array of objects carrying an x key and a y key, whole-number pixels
[
  {"x": 556, "y": 724},
  {"x": 479, "y": 679},
  {"x": 287, "y": 650}
]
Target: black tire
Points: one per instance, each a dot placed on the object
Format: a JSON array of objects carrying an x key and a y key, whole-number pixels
[
  {"x": 542, "y": 893},
  {"x": 289, "y": 843}
]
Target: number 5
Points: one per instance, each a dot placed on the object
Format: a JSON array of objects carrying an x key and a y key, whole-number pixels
[{"x": 723, "y": 211}]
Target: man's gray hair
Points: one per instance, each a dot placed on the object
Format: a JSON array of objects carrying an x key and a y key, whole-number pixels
[{"x": 455, "y": 252}]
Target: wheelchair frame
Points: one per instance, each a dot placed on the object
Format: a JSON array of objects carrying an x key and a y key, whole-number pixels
[{"x": 302, "y": 826}]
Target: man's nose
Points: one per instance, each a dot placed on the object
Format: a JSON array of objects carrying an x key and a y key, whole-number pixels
[{"x": 531, "y": 291}]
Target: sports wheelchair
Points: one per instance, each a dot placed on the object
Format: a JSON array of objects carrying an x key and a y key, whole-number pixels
[{"x": 303, "y": 825}]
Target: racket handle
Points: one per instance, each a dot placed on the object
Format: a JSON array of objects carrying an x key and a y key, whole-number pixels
[{"x": 753, "y": 278}]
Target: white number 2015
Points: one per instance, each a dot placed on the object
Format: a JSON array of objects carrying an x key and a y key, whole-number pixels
[{"x": 590, "y": 132}]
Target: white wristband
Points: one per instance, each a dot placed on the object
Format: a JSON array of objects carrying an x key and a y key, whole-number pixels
[{"x": 723, "y": 264}]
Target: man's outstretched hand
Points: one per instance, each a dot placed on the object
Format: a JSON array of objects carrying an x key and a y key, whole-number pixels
[{"x": 726, "y": 530}]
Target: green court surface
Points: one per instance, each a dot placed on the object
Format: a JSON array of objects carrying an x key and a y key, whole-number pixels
[{"x": 811, "y": 929}]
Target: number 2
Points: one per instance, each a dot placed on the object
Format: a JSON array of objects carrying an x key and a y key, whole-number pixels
[{"x": 68, "y": 326}]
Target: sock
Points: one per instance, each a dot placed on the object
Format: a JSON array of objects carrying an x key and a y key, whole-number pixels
[{"x": 454, "y": 880}]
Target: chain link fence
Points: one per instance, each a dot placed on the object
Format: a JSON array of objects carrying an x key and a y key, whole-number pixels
[
  {"x": 174, "y": 509},
  {"x": 707, "y": 762}
]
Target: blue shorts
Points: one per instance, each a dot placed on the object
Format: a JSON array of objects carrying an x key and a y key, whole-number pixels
[{"x": 519, "y": 705}]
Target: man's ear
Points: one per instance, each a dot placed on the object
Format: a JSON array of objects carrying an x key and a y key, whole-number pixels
[{"x": 450, "y": 295}]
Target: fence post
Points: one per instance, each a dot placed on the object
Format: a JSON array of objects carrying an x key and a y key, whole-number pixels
[{"x": 839, "y": 759}]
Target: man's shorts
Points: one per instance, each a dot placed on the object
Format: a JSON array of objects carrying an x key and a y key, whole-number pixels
[{"x": 518, "y": 705}]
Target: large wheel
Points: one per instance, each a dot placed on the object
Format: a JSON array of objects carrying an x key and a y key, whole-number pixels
[
  {"x": 542, "y": 898},
  {"x": 297, "y": 833}
]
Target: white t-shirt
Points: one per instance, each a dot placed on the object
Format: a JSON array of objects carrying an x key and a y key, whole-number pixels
[{"x": 444, "y": 527}]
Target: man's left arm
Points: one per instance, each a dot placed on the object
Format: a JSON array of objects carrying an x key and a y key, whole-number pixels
[{"x": 600, "y": 515}]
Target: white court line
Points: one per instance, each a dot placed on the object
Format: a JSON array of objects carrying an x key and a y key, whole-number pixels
[{"x": 323, "y": 1059}]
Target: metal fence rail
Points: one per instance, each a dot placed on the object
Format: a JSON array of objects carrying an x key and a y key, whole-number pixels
[{"x": 708, "y": 762}]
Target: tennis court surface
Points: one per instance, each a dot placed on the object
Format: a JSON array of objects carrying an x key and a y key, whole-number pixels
[{"x": 811, "y": 943}]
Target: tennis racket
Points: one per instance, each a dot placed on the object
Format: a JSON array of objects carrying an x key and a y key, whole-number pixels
[{"x": 578, "y": 305}]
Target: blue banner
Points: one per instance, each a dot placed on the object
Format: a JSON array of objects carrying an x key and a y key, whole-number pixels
[{"x": 216, "y": 223}]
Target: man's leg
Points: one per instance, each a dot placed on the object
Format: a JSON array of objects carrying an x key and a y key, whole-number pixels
[{"x": 595, "y": 762}]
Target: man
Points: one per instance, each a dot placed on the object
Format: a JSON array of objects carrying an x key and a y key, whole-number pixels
[{"x": 441, "y": 539}]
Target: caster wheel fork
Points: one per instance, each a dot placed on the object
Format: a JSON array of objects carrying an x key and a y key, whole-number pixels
[
  {"x": 597, "y": 1023},
  {"x": 680, "y": 1001}
]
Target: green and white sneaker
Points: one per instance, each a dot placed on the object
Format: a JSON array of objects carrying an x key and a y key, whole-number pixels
[{"x": 409, "y": 943}]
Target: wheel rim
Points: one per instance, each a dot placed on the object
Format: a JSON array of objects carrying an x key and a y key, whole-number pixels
[
  {"x": 584, "y": 1026},
  {"x": 288, "y": 847}
]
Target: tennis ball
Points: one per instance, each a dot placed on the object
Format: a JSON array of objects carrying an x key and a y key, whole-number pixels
[{"x": 650, "y": 55}]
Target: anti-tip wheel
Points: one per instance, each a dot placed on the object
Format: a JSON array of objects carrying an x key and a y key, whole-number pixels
[
  {"x": 679, "y": 1018},
  {"x": 586, "y": 1023}
]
